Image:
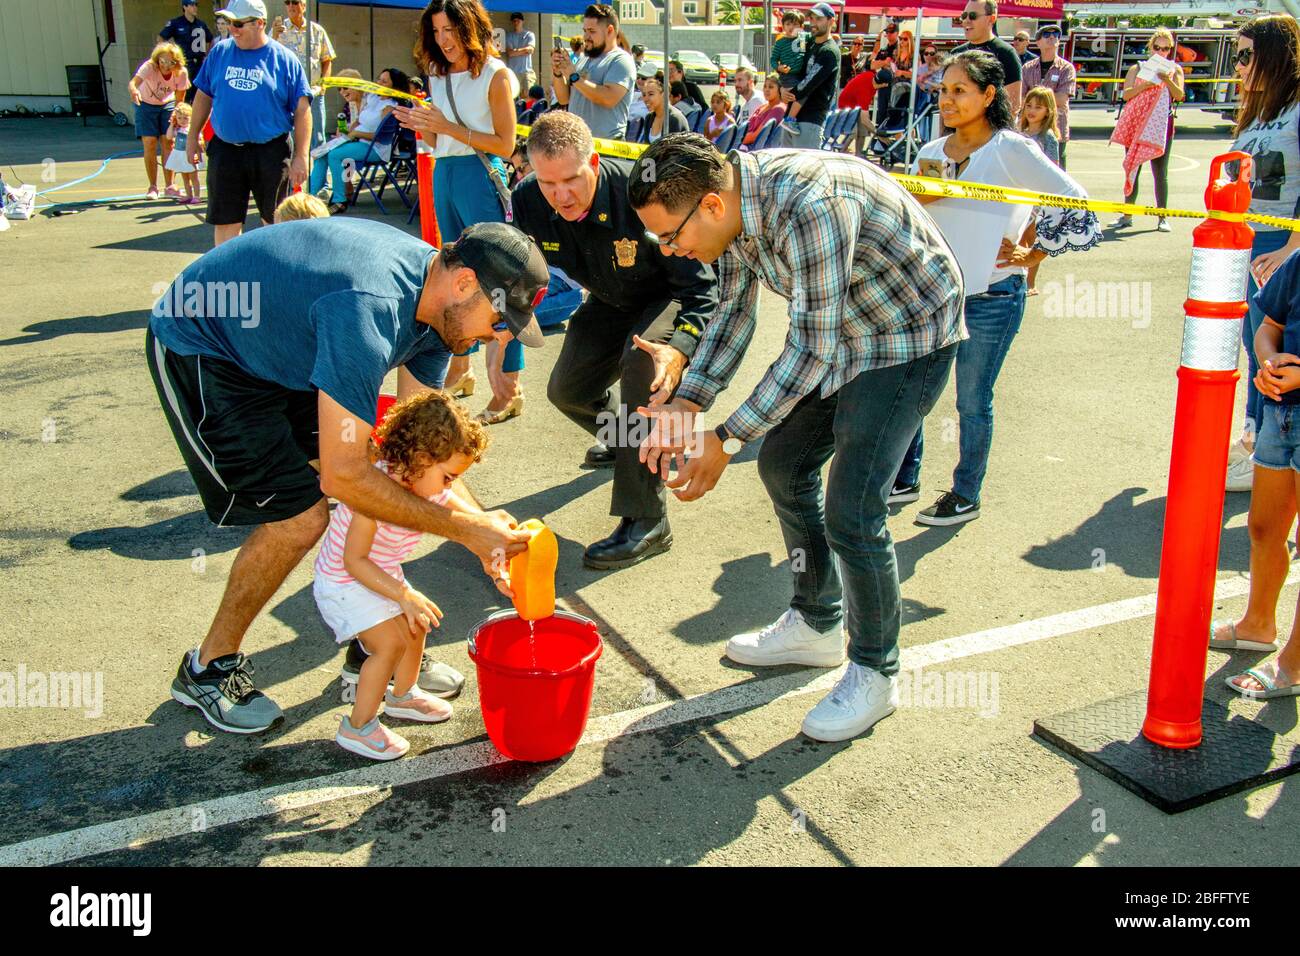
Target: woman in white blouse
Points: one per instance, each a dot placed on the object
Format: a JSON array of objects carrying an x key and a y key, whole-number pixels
[
  {"x": 985, "y": 237},
  {"x": 470, "y": 123}
]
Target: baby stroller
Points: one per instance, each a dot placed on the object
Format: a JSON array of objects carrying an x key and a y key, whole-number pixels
[{"x": 889, "y": 145}]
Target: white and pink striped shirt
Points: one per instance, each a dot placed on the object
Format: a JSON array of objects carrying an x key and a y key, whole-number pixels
[{"x": 392, "y": 544}]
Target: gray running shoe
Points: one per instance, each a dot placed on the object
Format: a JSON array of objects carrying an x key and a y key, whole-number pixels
[
  {"x": 223, "y": 693},
  {"x": 436, "y": 678}
]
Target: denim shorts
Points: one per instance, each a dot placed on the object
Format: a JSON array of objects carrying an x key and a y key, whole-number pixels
[
  {"x": 152, "y": 121},
  {"x": 1278, "y": 443}
]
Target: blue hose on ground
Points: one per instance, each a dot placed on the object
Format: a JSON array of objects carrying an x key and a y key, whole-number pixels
[{"x": 102, "y": 166}]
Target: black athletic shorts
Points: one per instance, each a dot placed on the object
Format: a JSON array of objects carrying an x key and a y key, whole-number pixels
[
  {"x": 247, "y": 443},
  {"x": 235, "y": 171}
]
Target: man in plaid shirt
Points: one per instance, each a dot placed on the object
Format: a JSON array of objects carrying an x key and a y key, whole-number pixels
[{"x": 875, "y": 318}]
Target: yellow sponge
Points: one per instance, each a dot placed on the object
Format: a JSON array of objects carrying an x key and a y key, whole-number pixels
[{"x": 532, "y": 573}]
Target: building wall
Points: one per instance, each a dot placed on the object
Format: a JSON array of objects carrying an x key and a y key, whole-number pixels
[
  {"x": 53, "y": 33},
  {"x": 708, "y": 40},
  {"x": 39, "y": 38}
]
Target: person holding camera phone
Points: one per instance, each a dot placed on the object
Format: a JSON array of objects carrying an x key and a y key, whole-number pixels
[{"x": 600, "y": 91}]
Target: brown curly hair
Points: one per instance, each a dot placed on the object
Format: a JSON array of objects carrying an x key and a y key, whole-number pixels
[{"x": 425, "y": 429}]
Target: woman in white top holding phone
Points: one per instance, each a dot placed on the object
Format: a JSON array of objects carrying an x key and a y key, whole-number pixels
[
  {"x": 985, "y": 237},
  {"x": 470, "y": 123}
]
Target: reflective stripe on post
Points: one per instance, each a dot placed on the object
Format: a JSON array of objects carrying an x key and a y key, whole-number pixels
[
  {"x": 1211, "y": 344},
  {"x": 1218, "y": 275}
]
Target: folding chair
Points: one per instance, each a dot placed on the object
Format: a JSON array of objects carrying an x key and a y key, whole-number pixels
[
  {"x": 766, "y": 133},
  {"x": 729, "y": 139},
  {"x": 372, "y": 164}
]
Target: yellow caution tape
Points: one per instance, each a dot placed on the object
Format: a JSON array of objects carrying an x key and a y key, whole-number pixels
[
  {"x": 365, "y": 86},
  {"x": 606, "y": 147},
  {"x": 919, "y": 185},
  {"x": 953, "y": 189}
]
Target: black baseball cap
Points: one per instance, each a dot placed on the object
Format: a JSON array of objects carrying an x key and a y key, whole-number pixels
[
  {"x": 516, "y": 15},
  {"x": 507, "y": 261}
]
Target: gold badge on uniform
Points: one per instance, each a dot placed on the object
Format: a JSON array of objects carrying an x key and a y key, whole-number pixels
[{"x": 625, "y": 250}]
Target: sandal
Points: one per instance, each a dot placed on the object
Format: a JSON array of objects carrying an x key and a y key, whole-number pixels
[
  {"x": 1236, "y": 643},
  {"x": 338, "y": 208},
  {"x": 513, "y": 410},
  {"x": 1268, "y": 676}
]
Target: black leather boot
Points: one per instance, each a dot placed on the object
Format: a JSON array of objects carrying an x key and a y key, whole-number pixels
[
  {"x": 634, "y": 540},
  {"x": 598, "y": 456}
]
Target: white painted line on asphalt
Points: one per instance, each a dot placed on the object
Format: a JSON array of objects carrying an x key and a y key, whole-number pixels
[{"x": 183, "y": 821}]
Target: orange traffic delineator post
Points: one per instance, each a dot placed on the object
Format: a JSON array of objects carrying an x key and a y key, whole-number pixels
[
  {"x": 424, "y": 183},
  {"x": 1170, "y": 744},
  {"x": 1207, "y": 385}
]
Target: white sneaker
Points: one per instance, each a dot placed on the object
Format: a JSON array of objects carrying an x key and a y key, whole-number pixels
[
  {"x": 1241, "y": 474},
  {"x": 789, "y": 640},
  {"x": 1122, "y": 222},
  {"x": 861, "y": 698}
]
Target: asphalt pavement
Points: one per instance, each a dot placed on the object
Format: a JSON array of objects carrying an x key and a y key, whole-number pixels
[{"x": 111, "y": 570}]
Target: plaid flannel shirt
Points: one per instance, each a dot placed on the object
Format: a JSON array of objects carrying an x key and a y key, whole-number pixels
[{"x": 871, "y": 282}]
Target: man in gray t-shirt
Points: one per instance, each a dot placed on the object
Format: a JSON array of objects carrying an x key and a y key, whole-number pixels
[
  {"x": 601, "y": 93},
  {"x": 520, "y": 44}
]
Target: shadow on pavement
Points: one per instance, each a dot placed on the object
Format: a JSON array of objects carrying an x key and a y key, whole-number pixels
[
  {"x": 661, "y": 797},
  {"x": 1128, "y": 535},
  {"x": 39, "y": 332}
]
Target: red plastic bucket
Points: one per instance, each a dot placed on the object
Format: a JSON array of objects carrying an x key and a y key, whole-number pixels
[{"x": 535, "y": 695}]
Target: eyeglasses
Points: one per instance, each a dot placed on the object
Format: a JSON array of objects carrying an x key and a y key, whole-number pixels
[
  {"x": 669, "y": 239},
  {"x": 931, "y": 53},
  {"x": 970, "y": 15},
  {"x": 240, "y": 24},
  {"x": 1245, "y": 56},
  {"x": 1049, "y": 36},
  {"x": 1162, "y": 49}
]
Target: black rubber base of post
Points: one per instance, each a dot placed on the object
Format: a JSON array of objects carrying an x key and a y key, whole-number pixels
[{"x": 1235, "y": 753}]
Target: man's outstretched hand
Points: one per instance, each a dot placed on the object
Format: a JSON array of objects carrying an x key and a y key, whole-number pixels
[
  {"x": 672, "y": 431},
  {"x": 495, "y": 537}
]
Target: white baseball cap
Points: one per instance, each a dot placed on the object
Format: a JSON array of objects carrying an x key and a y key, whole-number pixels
[{"x": 243, "y": 10}]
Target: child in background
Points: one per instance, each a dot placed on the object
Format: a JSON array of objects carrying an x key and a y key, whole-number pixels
[
  {"x": 301, "y": 206},
  {"x": 425, "y": 443},
  {"x": 720, "y": 119},
  {"x": 1272, "y": 493},
  {"x": 1038, "y": 122},
  {"x": 789, "y": 51},
  {"x": 178, "y": 132}
]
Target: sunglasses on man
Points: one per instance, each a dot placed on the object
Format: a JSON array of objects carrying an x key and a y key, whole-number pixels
[
  {"x": 240, "y": 24},
  {"x": 971, "y": 15},
  {"x": 1050, "y": 35}
]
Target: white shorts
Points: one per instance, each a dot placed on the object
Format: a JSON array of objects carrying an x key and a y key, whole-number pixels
[{"x": 351, "y": 608}]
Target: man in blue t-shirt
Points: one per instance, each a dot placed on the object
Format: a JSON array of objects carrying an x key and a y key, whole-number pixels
[
  {"x": 268, "y": 365},
  {"x": 257, "y": 93}
]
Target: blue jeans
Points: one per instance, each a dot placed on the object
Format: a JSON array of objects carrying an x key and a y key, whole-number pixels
[
  {"x": 1270, "y": 240},
  {"x": 1277, "y": 446},
  {"x": 462, "y": 196},
  {"x": 334, "y": 162},
  {"x": 866, "y": 425},
  {"x": 992, "y": 319}
]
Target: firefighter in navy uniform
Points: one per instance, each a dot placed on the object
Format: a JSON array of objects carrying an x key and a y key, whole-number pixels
[{"x": 638, "y": 326}]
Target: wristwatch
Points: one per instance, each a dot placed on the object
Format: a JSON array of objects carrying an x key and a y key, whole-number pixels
[
  {"x": 574, "y": 77},
  {"x": 730, "y": 444}
]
